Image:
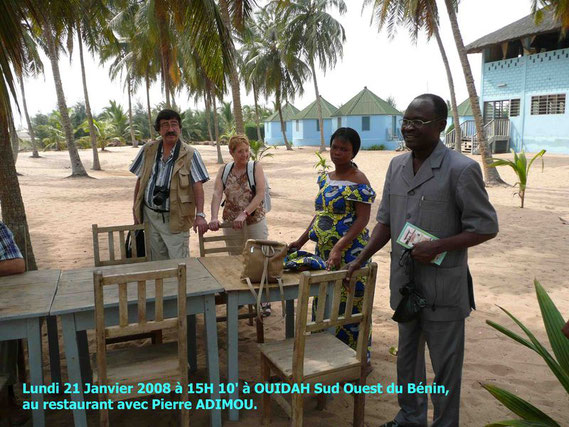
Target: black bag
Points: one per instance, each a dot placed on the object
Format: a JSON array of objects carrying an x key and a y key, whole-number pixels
[
  {"x": 413, "y": 301},
  {"x": 138, "y": 240}
]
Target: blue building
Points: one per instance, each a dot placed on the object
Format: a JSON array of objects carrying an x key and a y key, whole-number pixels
[
  {"x": 374, "y": 119},
  {"x": 525, "y": 81},
  {"x": 306, "y": 126},
  {"x": 273, "y": 131}
]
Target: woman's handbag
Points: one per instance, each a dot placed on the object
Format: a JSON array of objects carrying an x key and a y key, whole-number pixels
[{"x": 263, "y": 264}]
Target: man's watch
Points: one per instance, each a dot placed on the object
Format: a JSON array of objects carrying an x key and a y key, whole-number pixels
[{"x": 201, "y": 214}]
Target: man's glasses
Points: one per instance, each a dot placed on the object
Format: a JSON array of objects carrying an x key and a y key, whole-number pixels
[
  {"x": 168, "y": 125},
  {"x": 416, "y": 123}
]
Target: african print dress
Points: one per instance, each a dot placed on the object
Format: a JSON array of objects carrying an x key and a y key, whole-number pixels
[{"x": 335, "y": 213}]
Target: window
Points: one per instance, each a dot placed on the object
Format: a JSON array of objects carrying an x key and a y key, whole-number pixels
[
  {"x": 365, "y": 123},
  {"x": 496, "y": 110},
  {"x": 317, "y": 125},
  {"x": 548, "y": 104},
  {"x": 297, "y": 125},
  {"x": 514, "y": 107},
  {"x": 339, "y": 122}
]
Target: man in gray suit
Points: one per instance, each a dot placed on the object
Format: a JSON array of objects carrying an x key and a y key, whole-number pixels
[{"x": 442, "y": 192}]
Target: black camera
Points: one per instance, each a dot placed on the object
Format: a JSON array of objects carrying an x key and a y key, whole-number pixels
[{"x": 160, "y": 195}]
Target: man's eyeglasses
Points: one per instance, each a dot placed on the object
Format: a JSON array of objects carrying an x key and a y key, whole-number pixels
[
  {"x": 417, "y": 123},
  {"x": 168, "y": 125}
]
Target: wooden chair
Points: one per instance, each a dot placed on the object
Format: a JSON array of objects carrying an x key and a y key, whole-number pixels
[
  {"x": 232, "y": 245},
  {"x": 150, "y": 364},
  {"x": 119, "y": 257},
  {"x": 313, "y": 357}
]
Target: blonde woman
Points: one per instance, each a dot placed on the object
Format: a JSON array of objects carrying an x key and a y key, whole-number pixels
[{"x": 243, "y": 204}]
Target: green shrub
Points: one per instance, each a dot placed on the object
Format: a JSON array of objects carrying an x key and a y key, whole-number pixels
[{"x": 251, "y": 131}]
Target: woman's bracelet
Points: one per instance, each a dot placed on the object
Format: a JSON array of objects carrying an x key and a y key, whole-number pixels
[{"x": 246, "y": 213}]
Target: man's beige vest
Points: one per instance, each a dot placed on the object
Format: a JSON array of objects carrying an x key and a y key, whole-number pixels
[{"x": 182, "y": 204}]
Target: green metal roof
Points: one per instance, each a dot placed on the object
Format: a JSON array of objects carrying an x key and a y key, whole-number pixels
[
  {"x": 311, "y": 112},
  {"x": 289, "y": 111},
  {"x": 366, "y": 103},
  {"x": 464, "y": 109}
]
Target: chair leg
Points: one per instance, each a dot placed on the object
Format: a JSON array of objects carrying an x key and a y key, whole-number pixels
[
  {"x": 266, "y": 398},
  {"x": 260, "y": 331},
  {"x": 321, "y": 402},
  {"x": 21, "y": 362},
  {"x": 157, "y": 337},
  {"x": 297, "y": 409},
  {"x": 251, "y": 314},
  {"x": 359, "y": 404}
]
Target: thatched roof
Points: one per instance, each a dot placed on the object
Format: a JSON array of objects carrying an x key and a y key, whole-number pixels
[
  {"x": 289, "y": 111},
  {"x": 366, "y": 103},
  {"x": 311, "y": 112},
  {"x": 524, "y": 27}
]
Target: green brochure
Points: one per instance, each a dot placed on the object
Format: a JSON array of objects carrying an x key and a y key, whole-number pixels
[{"x": 411, "y": 235}]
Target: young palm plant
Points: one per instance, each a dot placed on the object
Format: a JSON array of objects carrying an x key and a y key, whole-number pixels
[
  {"x": 558, "y": 362},
  {"x": 521, "y": 167},
  {"x": 258, "y": 150}
]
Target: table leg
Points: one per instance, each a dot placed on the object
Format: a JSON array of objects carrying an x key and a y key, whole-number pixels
[
  {"x": 289, "y": 319},
  {"x": 53, "y": 340},
  {"x": 233, "y": 349},
  {"x": 212, "y": 354},
  {"x": 73, "y": 365},
  {"x": 192, "y": 343},
  {"x": 36, "y": 372},
  {"x": 84, "y": 359}
]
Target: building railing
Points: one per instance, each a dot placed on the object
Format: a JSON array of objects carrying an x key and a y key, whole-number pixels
[
  {"x": 494, "y": 129},
  {"x": 390, "y": 136}
]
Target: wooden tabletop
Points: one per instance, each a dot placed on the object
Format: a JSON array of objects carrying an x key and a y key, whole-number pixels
[
  {"x": 227, "y": 271},
  {"x": 26, "y": 295},
  {"x": 75, "y": 291}
]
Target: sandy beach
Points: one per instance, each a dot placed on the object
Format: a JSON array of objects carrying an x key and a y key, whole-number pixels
[{"x": 532, "y": 244}]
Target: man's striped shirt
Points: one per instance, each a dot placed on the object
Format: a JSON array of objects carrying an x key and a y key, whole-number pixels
[{"x": 162, "y": 174}]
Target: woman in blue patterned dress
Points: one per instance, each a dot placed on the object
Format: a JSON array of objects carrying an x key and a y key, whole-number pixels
[{"x": 343, "y": 206}]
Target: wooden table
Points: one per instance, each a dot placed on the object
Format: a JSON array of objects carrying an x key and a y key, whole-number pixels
[
  {"x": 74, "y": 302},
  {"x": 26, "y": 299},
  {"x": 227, "y": 271}
]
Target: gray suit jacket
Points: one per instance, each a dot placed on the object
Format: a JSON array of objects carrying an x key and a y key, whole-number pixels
[{"x": 445, "y": 197}]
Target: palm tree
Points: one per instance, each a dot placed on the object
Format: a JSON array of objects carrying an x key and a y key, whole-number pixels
[
  {"x": 275, "y": 63},
  {"x": 52, "y": 31},
  {"x": 252, "y": 81},
  {"x": 491, "y": 175},
  {"x": 319, "y": 37},
  {"x": 227, "y": 117},
  {"x": 176, "y": 27},
  {"x": 116, "y": 116},
  {"x": 560, "y": 10},
  {"x": 33, "y": 67},
  {"x": 91, "y": 27},
  {"x": 13, "y": 32},
  {"x": 418, "y": 15}
]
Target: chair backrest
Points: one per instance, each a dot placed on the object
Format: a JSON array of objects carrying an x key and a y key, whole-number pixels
[
  {"x": 142, "y": 324},
  {"x": 117, "y": 255},
  {"x": 321, "y": 322},
  {"x": 233, "y": 243}
]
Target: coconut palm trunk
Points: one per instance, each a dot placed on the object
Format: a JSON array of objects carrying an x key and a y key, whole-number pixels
[
  {"x": 233, "y": 76},
  {"x": 283, "y": 125},
  {"x": 77, "y": 168},
  {"x": 491, "y": 175},
  {"x": 35, "y": 153},
  {"x": 453, "y": 104},
  {"x": 92, "y": 131},
  {"x": 130, "y": 121},
  {"x": 216, "y": 128},
  {"x": 257, "y": 118},
  {"x": 208, "y": 115},
  {"x": 14, "y": 141},
  {"x": 11, "y": 202},
  {"x": 318, "y": 106},
  {"x": 150, "y": 126}
]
